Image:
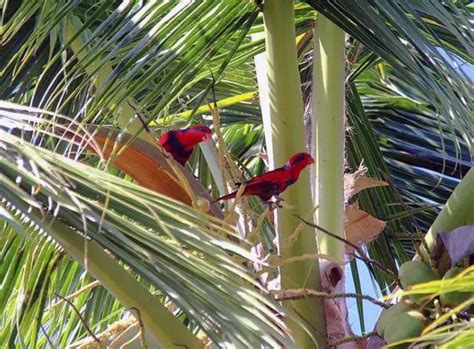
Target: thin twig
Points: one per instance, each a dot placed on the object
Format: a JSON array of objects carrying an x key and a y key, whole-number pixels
[
  {"x": 308, "y": 323},
  {"x": 213, "y": 88},
  {"x": 359, "y": 250},
  {"x": 337, "y": 237},
  {"x": 295, "y": 294},
  {"x": 351, "y": 339},
  {"x": 46, "y": 335},
  {"x": 142, "y": 327},
  {"x": 144, "y": 122},
  {"x": 73, "y": 295},
  {"x": 89, "y": 331},
  {"x": 295, "y": 235}
]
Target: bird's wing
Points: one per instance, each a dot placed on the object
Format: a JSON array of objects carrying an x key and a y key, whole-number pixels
[
  {"x": 279, "y": 175},
  {"x": 264, "y": 189},
  {"x": 265, "y": 186}
]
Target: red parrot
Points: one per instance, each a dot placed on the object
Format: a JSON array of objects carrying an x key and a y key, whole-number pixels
[
  {"x": 180, "y": 143},
  {"x": 274, "y": 182}
]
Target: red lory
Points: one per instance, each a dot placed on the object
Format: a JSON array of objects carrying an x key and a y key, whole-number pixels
[
  {"x": 272, "y": 183},
  {"x": 180, "y": 143}
]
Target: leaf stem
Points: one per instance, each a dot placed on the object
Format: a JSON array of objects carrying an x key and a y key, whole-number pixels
[
  {"x": 84, "y": 323},
  {"x": 295, "y": 294},
  {"x": 362, "y": 256}
]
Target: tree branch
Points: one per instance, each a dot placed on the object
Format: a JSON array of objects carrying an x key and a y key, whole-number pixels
[
  {"x": 295, "y": 294},
  {"x": 351, "y": 339},
  {"x": 81, "y": 319},
  {"x": 362, "y": 256}
]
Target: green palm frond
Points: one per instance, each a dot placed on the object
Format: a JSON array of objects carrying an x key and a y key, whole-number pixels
[
  {"x": 408, "y": 36},
  {"x": 150, "y": 52},
  {"x": 33, "y": 270},
  {"x": 180, "y": 251},
  {"x": 425, "y": 160}
]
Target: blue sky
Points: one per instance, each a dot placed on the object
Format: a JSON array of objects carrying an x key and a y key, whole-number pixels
[{"x": 369, "y": 287}]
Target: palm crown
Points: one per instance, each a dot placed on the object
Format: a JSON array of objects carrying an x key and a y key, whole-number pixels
[{"x": 70, "y": 217}]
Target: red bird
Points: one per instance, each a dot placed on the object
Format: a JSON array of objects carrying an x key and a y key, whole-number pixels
[
  {"x": 274, "y": 182},
  {"x": 180, "y": 143}
]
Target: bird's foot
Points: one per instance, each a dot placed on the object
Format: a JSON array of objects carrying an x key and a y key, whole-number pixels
[{"x": 272, "y": 205}]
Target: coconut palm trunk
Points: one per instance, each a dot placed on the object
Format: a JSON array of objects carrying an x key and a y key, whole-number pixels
[
  {"x": 286, "y": 127},
  {"x": 329, "y": 130}
]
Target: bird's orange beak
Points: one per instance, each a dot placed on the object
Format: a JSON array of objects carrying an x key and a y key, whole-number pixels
[{"x": 206, "y": 137}]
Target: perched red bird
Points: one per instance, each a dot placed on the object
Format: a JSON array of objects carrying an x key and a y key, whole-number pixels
[
  {"x": 274, "y": 182},
  {"x": 180, "y": 143}
]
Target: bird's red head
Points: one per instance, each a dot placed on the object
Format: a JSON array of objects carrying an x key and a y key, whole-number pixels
[
  {"x": 297, "y": 163},
  {"x": 300, "y": 160},
  {"x": 196, "y": 134}
]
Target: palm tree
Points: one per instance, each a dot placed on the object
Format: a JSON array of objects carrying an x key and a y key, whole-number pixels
[{"x": 86, "y": 248}]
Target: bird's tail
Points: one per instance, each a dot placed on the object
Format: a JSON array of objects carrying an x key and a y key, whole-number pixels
[{"x": 226, "y": 197}]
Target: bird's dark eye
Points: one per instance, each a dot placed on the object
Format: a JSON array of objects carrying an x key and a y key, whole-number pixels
[{"x": 300, "y": 158}]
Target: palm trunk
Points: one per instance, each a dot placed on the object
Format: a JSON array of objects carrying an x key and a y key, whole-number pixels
[
  {"x": 328, "y": 140},
  {"x": 328, "y": 109},
  {"x": 284, "y": 131}
]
